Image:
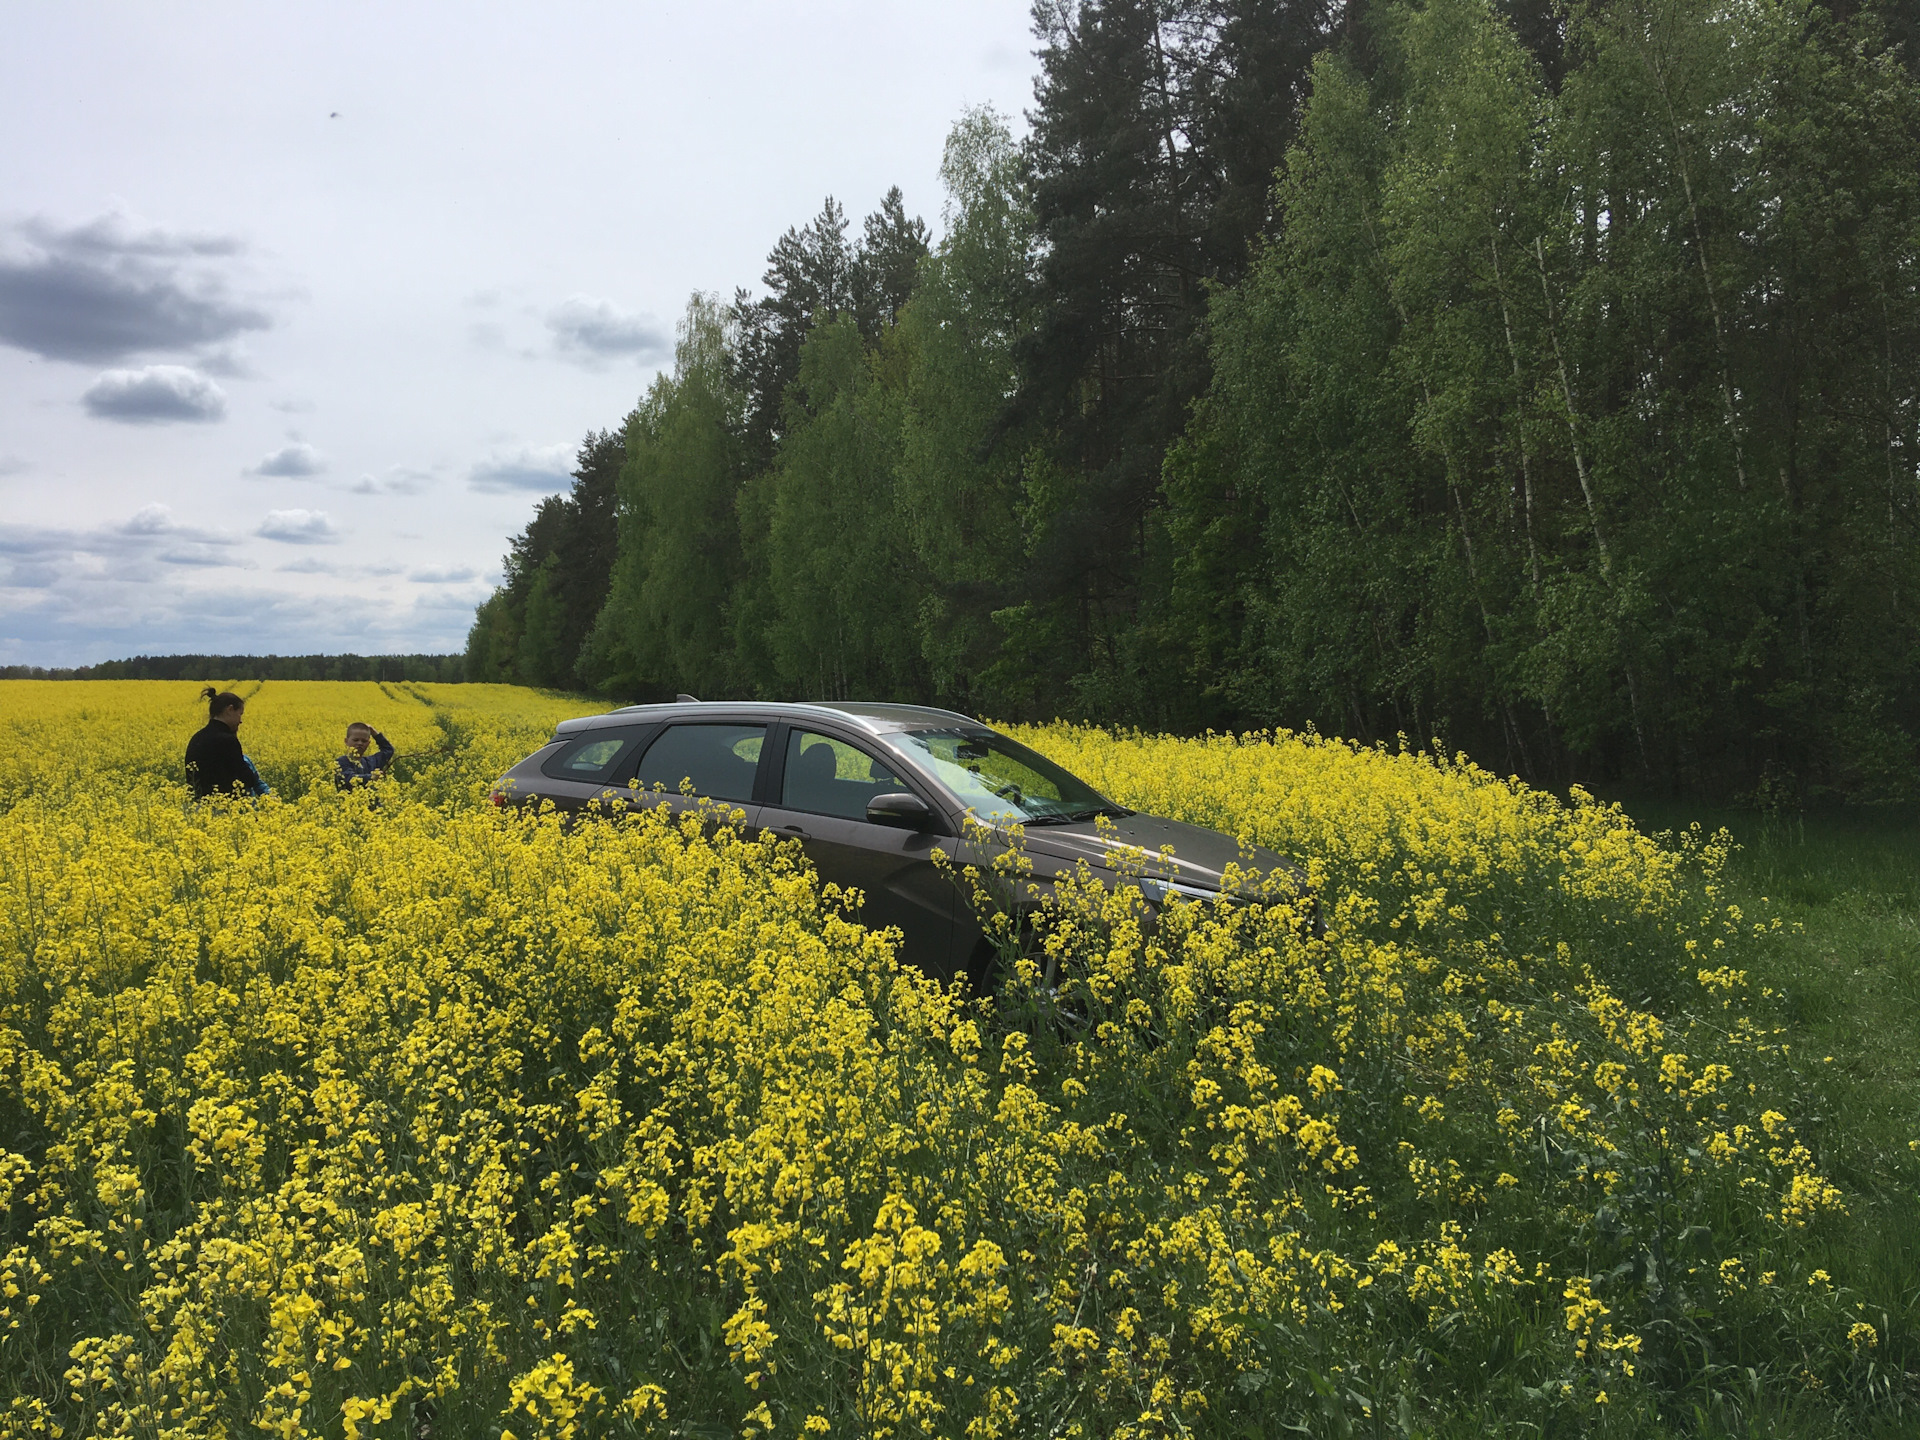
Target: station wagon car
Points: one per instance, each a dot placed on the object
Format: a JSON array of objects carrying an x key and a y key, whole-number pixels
[{"x": 871, "y": 791}]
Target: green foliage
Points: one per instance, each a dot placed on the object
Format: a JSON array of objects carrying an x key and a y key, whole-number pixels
[
  {"x": 1578, "y": 426},
  {"x": 815, "y": 271},
  {"x": 491, "y": 641},
  {"x": 1558, "y": 397},
  {"x": 540, "y": 659},
  {"x": 666, "y": 611},
  {"x": 838, "y": 564},
  {"x": 959, "y": 478},
  {"x": 1155, "y": 134},
  {"x": 531, "y": 630},
  {"x": 1847, "y": 967}
]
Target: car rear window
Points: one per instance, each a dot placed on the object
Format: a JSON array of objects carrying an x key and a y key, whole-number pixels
[
  {"x": 717, "y": 761},
  {"x": 593, "y": 758}
]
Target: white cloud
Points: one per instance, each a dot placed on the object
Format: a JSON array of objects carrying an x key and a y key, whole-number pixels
[
  {"x": 544, "y": 470},
  {"x": 443, "y": 575},
  {"x": 29, "y": 575},
  {"x": 295, "y": 461},
  {"x": 202, "y": 554},
  {"x": 595, "y": 331},
  {"x": 151, "y": 519},
  {"x": 229, "y": 362},
  {"x": 155, "y": 521},
  {"x": 155, "y": 395},
  {"x": 107, "y": 291},
  {"x": 399, "y": 480},
  {"x": 453, "y": 600},
  {"x": 298, "y": 527},
  {"x": 129, "y": 552}
]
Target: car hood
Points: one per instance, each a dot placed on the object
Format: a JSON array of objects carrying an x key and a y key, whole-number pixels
[{"x": 1200, "y": 856}]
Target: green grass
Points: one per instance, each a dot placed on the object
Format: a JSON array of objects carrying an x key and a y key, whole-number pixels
[{"x": 1847, "y": 883}]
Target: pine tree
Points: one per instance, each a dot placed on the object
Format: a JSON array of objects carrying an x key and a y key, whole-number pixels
[
  {"x": 1157, "y": 129},
  {"x": 886, "y": 267}
]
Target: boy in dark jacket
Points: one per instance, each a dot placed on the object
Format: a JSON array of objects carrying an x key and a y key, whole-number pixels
[{"x": 356, "y": 767}]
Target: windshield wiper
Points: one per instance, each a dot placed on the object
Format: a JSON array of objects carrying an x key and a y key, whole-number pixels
[{"x": 1076, "y": 817}]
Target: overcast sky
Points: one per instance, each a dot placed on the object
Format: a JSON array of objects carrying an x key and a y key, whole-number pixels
[{"x": 303, "y": 307}]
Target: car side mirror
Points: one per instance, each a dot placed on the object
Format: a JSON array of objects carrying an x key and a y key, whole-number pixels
[{"x": 901, "y": 810}]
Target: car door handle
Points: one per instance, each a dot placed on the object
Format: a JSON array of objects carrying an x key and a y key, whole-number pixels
[{"x": 796, "y": 831}]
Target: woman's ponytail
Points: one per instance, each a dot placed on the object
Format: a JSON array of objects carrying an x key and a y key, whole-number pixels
[{"x": 220, "y": 701}]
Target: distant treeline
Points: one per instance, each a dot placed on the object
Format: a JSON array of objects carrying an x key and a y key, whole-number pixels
[
  {"x": 1544, "y": 378},
  {"x": 442, "y": 669}
]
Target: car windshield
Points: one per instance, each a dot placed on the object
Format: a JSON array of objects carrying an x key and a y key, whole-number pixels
[{"x": 1001, "y": 780}]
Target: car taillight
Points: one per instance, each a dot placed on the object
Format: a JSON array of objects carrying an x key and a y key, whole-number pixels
[{"x": 498, "y": 797}]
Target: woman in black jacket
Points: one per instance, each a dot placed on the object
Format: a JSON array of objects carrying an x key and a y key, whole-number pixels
[{"x": 216, "y": 765}]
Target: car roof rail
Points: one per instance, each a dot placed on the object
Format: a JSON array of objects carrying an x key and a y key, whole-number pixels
[{"x": 686, "y": 700}]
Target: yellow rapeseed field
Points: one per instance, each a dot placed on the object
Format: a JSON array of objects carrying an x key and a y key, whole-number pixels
[
  {"x": 396, "y": 1115},
  {"x": 56, "y": 731}
]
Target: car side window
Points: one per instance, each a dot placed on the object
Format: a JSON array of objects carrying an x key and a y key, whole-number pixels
[
  {"x": 593, "y": 757},
  {"x": 717, "y": 761},
  {"x": 825, "y": 776}
]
